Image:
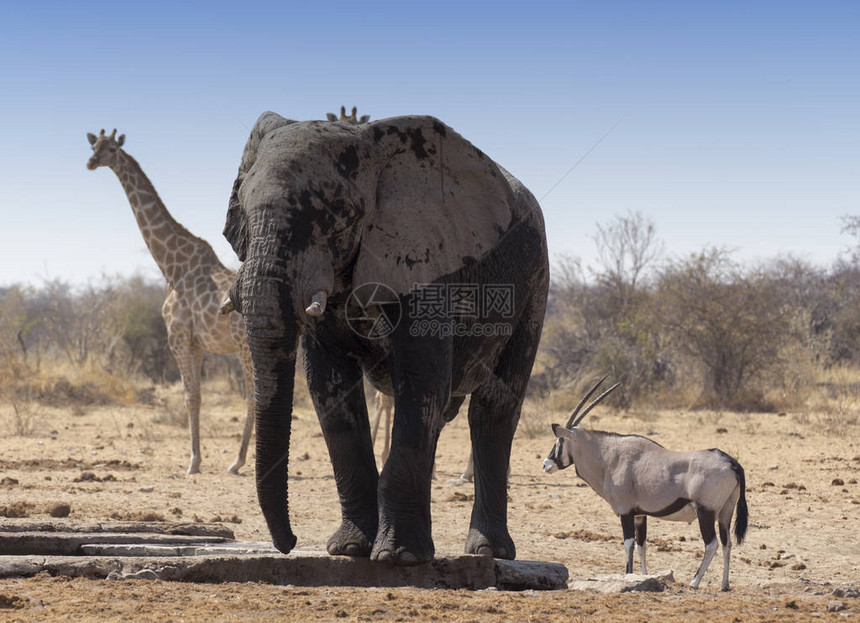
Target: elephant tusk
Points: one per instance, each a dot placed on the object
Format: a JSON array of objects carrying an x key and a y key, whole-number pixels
[
  {"x": 317, "y": 306},
  {"x": 226, "y": 306}
]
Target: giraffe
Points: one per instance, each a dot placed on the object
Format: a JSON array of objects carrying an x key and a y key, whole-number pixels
[{"x": 196, "y": 284}]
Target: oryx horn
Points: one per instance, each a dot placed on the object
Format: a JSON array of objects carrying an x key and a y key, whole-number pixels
[
  {"x": 594, "y": 404},
  {"x": 572, "y": 421}
]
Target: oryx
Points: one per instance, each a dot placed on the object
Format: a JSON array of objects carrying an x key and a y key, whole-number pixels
[{"x": 638, "y": 477}]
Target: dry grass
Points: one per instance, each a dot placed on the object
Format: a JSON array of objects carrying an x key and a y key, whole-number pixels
[
  {"x": 828, "y": 398},
  {"x": 21, "y": 418},
  {"x": 831, "y": 401}
]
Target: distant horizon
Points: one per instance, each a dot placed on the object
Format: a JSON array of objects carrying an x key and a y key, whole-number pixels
[{"x": 733, "y": 126}]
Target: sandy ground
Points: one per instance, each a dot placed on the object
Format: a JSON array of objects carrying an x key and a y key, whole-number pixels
[{"x": 802, "y": 489}]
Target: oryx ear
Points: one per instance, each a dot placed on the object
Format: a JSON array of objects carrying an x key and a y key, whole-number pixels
[
  {"x": 91, "y": 138},
  {"x": 120, "y": 140},
  {"x": 560, "y": 431}
]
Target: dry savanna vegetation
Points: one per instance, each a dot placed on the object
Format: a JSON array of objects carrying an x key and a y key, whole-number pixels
[{"x": 762, "y": 361}]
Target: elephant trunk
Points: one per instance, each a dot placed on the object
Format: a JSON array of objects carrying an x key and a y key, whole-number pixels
[{"x": 272, "y": 337}]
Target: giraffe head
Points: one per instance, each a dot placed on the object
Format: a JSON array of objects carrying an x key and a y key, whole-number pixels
[
  {"x": 348, "y": 119},
  {"x": 105, "y": 147}
]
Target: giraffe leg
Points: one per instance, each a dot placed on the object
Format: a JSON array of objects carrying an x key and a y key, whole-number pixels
[
  {"x": 377, "y": 401},
  {"x": 468, "y": 474},
  {"x": 388, "y": 408},
  {"x": 245, "y": 358},
  {"x": 189, "y": 359}
]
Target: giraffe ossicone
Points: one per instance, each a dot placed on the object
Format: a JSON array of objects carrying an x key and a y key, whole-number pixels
[{"x": 352, "y": 118}]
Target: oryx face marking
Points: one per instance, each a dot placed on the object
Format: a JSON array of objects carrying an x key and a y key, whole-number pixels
[{"x": 555, "y": 460}]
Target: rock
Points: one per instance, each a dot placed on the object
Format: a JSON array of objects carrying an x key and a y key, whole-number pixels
[
  {"x": 143, "y": 574},
  {"x": 147, "y": 489},
  {"x": 518, "y": 575},
  {"x": 87, "y": 477},
  {"x": 836, "y": 606},
  {"x": 837, "y": 482},
  {"x": 625, "y": 583},
  {"x": 12, "y": 602},
  {"x": 59, "y": 510},
  {"x": 848, "y": 591},
  {"x": 7, "y": 480}
]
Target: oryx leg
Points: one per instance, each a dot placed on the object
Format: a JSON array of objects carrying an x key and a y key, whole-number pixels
[
  {"x": 641, "y": 525},
  {"x": 724, "y": 521},
  {"x": 628, "y": 529},
  {"x": 709, "y": 536}
]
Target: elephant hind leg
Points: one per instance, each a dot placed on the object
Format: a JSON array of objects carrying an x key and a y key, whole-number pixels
[{"x": 494, "y": 411}]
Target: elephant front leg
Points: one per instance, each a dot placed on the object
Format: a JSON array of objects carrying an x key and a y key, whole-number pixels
[
  {"x": 336, "y": 387},
  {"x": 420, "y": 371}
]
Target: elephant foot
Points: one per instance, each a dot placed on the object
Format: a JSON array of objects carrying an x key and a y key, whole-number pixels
[
  {"x": 412, "y": 549},
  {"x": 350, "y": 540},
  {"x": 492, "y": 545}
]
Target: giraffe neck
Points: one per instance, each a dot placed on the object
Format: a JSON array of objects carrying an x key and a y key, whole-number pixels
[{"x": 171, "y": 245}]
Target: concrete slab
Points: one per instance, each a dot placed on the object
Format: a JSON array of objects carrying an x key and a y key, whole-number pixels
[
  {"x": 150, "y": 549},
  {"x": 69, "y": 543},
  {"x": 124, "y": 527},
  {"x": 208, "y": 553},
  {"x": 300, "y": 568}
]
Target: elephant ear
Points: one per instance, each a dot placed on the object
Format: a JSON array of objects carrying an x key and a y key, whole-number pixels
[
  {"x": 441, "y": 204},
  {"x": 236, "y": 226}
]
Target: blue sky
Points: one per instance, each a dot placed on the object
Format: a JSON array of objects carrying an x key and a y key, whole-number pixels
[{"x": 739, "y": 122}]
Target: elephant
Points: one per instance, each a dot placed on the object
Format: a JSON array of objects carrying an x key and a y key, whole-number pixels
[{"x": 398, "y": 252}]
